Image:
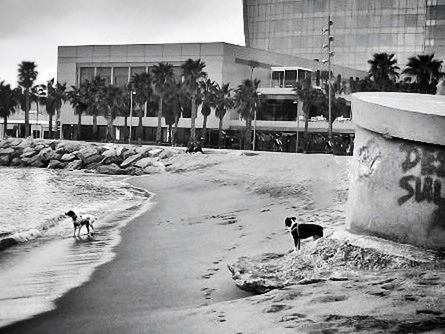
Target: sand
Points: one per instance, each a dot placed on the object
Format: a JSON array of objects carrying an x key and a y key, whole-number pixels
[{"x": 170, "y": 271}]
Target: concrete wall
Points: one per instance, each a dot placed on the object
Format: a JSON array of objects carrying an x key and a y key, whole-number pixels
[{"x": 397, "y": 185}]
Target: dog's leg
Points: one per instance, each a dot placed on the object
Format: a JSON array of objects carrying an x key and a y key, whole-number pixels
[
  {"x": 296, "y": 245},
  {"x": 74, "y": 233}
]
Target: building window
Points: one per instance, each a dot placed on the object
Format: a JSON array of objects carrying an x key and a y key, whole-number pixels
[
  {"x": 120, "y": 76},
  {"x": 278, "y": 110},
  {"x": 104, "y": 73},
  {"x": 137, "y": 70},
  {"x": 277, "y": 78},
  {"x": 86, "y": 73}
]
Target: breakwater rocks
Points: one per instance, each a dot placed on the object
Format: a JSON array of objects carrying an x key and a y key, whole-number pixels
[{"x": 111, "y": 159}]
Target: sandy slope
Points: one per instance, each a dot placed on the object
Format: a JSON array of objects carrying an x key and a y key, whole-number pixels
[{"x": 170, "y": 274}]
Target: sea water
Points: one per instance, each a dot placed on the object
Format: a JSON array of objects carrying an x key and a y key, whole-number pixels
[{"x": 40, "y": 260}]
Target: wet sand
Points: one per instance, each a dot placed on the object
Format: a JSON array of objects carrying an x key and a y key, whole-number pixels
[{"x": 170, "y": 273}]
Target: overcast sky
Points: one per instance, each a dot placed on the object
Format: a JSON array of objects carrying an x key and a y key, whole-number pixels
[{"x": 32, "y": 29}]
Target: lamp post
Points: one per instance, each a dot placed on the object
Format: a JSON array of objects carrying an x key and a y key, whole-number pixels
[
  {"x": 329, "y": 61},
  {"x": 131, "y": 114},
  {"x": 254, "y": 124}
]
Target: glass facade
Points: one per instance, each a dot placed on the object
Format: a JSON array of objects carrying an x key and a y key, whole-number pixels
[{"x": 360, "y": 28}]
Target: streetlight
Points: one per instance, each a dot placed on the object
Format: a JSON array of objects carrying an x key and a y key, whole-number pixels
[
  {"x": 324, "y": 61},
  {"x": 254, "y": 123},
  {"x": 131, "y": 113},
  {"x": 298, "y": 123}
]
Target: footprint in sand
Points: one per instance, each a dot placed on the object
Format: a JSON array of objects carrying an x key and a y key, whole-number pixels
[{"x": 221, "y": 317}]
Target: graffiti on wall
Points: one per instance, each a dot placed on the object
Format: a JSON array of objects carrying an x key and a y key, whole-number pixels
[
  {"x": 426, "y": 185},
  {"x": 425, "y": 169}
]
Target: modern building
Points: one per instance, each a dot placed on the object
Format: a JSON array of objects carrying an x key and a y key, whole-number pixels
[
  {"x": 360, "y": 28},
  {"x": 225, "y": 63}
]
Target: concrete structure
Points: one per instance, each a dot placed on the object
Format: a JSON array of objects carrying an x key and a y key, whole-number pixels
[
  {"x": 397, "y": 186},
  {"x": 224, "y": 63},
  {"x": 360, "y": 28}
]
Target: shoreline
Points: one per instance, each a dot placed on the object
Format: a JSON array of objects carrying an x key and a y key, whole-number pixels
[{"x": 170, "y": 272}]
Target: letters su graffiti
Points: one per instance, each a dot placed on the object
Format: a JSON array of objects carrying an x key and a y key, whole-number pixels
[{"x": 428, "y": 185}]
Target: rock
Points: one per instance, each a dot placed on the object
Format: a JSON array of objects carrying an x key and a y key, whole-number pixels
[
  {"x": 8, "y": 150},
  {"x": 28, "y": 153},
  {"x": 307, "y": 281},
  {"x": 48, "y": 154},
  {"x": 26, "y": 143},
  {"x": 111, "y": 169},
  {"x": 73, "y": 165},
  {"x": 85, "y": 154},
  {"x": 128, "y": 152},
  {"x": 56, "y": 164},
  {"x": 112, "y": 160},
  {"x": 39, "y": 147},
  {"x": 166, "y": 154},
  {"x": 14, "y": 141},
  {"x": 109, "y": 153},
  {"x": 144, "y": 162},
  {"x": 92, "y": 166},
  {"x": 3, "y": 143},
  {"x": 4, "y": 160},
  {"x": 92, "y": 159},
  {"x": 61, "y": 148},
  {"x": 68, "y": 157},
  {"x": 151, "y": 170},
  {"x": 130, "y": 160},
  {"x": 120, "y": 150},
  {"x": 155, "y": 152},
  {"x": 143, "y": 150},
  {"x": 16, "y": 162},
  {"x": 36, "y": 162}
]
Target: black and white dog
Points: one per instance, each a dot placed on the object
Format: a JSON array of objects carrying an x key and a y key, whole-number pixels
[
  {"x": 302, "y": 231},
  {"x": 80, "y": 221}
]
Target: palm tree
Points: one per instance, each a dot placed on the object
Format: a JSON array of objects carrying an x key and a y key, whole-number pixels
[
  {"x": 384, "y": 70},
  {"x": 27, "y": 76},
  {"x": 192, "y": 74},
  {"x": 247, "y": 102},
  {"x": 223, "y": 102},
  {"x": 207, "y": 97},
  {"x": 55, "y": 99},
  {"x": 425, "y": 70},
  {"x": 95, "y": 94},
  {"x": 183, "y": 106},
  {"x": 8, "y": 103},
  {"x": 163, "y": 77},
  {"x": 111, "y": 106},
  {"x": 78, "y": 97},
  {"x": 305, "y": 94},
  {"x": 38, "y": 96},
  {"x": 141, "y": 84}
]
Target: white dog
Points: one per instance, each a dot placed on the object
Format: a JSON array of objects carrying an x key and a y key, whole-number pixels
[{"x": 79, "y": 221}]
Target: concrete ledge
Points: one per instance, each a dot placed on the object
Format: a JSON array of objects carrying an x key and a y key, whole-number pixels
[{"x": 417, "y": 117}]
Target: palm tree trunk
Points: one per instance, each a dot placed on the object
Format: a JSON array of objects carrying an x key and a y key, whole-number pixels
[
  {"x": 79, "y": 126},
  {"x": 5, "y": 125},
  {"x": 159, "y": 129},
  {"x": 220, "y": 139},
  {"x": 306, "y": 127},
  {"x": 26, "y": 113},
  {"x": 50, "y": 126},
  {"x": 192, "y": 121},
  {"x": 127, "y": 130},
  {"x": 204, "y": 129},
  {"x": 95, "y": 127},
  {"x": 140, "y": 128},
  {"x": 110, "y": 132},
  {"x": 175, "y": 130},
  {"x": 248, "y": 134}
]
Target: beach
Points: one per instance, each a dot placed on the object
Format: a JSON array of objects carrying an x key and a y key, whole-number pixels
[{"x": 170, "y": 271}]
